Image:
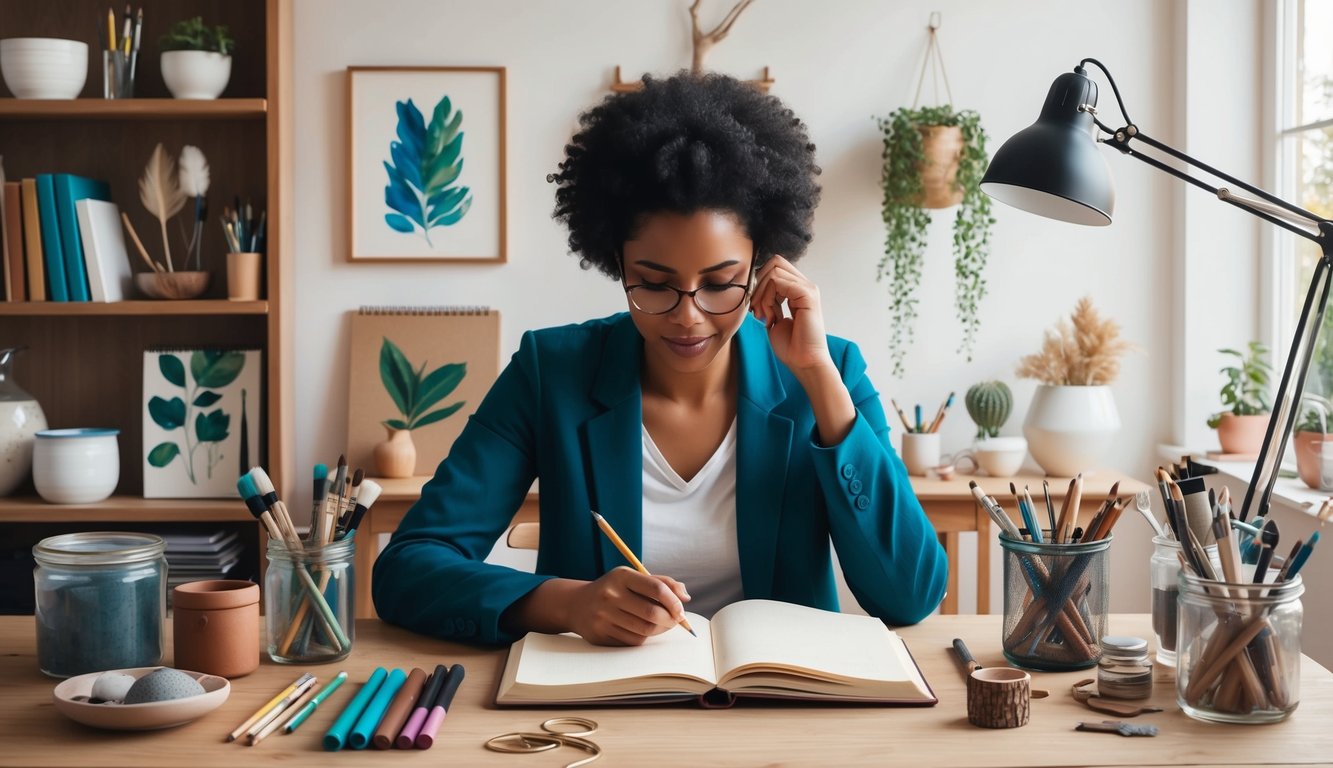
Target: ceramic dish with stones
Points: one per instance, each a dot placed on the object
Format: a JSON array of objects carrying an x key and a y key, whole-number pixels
[{"x": 72, "y": 700}]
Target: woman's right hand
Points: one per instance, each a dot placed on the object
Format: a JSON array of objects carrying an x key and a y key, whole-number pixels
[{"x": 625, "y": 607}]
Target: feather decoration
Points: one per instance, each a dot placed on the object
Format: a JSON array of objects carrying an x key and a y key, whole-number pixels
[
  {"x": 160, "y": 193},
  {"x": 194, "y": 172}
]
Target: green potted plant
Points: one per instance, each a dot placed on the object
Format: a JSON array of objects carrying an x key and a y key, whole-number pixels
[
  {"x": 1311, "y": 442},
  {"x": 196, "y": 59},
  {"x": 414, "y": 392},
  {"x": 933, "y": 157},
  {"x": 1244, "y": 419}
]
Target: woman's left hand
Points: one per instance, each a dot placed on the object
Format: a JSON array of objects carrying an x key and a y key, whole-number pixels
[{"x": 798, "y": 341}]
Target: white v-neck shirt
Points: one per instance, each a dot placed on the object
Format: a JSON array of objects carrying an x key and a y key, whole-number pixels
[{"x": 689, "y": 528}]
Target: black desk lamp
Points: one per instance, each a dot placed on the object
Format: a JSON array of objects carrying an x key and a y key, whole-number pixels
[{"x": 1052, "y": 168}]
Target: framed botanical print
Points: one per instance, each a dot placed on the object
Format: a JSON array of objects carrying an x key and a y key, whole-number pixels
[{"x": 426, "y": 164}]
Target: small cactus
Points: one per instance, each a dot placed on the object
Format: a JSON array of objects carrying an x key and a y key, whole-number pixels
[{"x": 989, "y": 404}]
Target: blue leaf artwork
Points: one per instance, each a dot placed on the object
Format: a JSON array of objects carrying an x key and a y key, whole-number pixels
[{"x": 424, "y": 162}]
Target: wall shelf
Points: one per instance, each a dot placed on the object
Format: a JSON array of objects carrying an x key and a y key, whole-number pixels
[
  {"x": 32, "y": 509},
  {"x": 134, "y": 109},
  {"x": 132, "y": 308}
]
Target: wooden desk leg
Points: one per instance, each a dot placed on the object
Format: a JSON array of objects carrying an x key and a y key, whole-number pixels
[
  {"x": 366, "y": 544},
  {"x": 950, "y": 541},
  {"x": 983, "y": 560}
]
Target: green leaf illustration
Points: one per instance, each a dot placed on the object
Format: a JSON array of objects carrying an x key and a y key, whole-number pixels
[
  {"x": 167, "y": 414},
  {"x": 216, "y": 368},
  {"x": 212, "y": 427},
  {"x": 162, "y": 454},
  {"x": 206, "y": 398},
  {"x": 437, "y": 386},
  {"x": 439, "y": 415},
  {"x": 398, "y": 377},
  {"x": 172, "y": 368},
  {"x": 424, "y": 162}
]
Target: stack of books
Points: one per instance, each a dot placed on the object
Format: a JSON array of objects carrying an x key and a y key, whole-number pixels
[{"x": 202, "y": 556}]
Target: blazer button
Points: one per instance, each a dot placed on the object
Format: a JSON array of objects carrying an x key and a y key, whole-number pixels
[
  {"x": 863, "y": 502},
  {"x": 848, "y": 471},
  {"x": 854, "y": 486}
]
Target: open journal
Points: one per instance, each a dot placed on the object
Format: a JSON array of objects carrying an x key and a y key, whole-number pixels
[{"x": 753, "y": 648}]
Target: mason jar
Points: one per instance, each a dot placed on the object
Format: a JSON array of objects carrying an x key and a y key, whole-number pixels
[
  {"x": 1165, "y": 578},
  {"x": 1239, "y": 650},
  {"x": 1056, "y": 600},
  {"x": 310, "y": 602},
  {"x": 101, "y": 601}
]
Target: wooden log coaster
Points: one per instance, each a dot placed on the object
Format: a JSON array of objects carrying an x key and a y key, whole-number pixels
[{"x": 999, "y": 697}]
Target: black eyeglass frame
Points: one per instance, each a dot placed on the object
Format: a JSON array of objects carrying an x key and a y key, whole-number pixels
[{"x": 680, "y": 294}]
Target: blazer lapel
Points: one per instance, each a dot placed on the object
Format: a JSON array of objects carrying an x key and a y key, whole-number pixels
[
  {"x": 614, "y": 442},
  {"x": 763, "y": 447}
]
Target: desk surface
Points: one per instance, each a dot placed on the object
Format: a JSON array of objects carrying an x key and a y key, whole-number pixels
[{"x": 35, "y": 734}]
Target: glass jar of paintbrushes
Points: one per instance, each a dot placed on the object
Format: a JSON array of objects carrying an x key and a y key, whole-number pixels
[{"x": 1056, "y": 579}]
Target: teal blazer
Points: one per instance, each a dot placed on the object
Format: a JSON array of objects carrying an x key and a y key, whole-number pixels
[{"x": 568, "y": 410}]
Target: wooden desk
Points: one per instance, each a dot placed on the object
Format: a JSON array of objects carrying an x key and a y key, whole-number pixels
[
  {"x": 948, "y": 504},
  {"x": 35, "y": 734}
]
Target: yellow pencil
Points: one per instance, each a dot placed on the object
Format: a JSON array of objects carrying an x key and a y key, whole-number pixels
[
  {"x": 111, "y": 30},
  {"x": 243, "y": 727},
  {"x": 629, "y": 555}
]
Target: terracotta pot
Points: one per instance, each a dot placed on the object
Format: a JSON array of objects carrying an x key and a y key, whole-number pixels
[
  {"x": 1312, "y": 450},
  {"x": 215, "y": 627},
  {"x": 397, "y": 456},
  {"x": 1242, "y": 434},
  {"x": 941, "y": 148}
]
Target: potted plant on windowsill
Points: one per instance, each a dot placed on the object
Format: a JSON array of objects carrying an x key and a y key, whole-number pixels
[
  {"x": 1241, "y": 425},
  {"x": 1312, "y": 443},
  {"x": 933, "y": 157},
  {"x": 196, "y": 59},
  {"x": 1073, "y": 418}
]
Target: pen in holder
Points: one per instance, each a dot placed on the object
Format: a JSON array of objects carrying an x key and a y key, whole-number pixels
[
  {"x": 1056, "y": 600},
  {"x": 117, "y": 74},
  {"x": 309, "y": 601}
]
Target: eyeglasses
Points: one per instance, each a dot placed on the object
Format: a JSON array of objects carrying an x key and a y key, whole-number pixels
[{"x": 718, "y": 299}]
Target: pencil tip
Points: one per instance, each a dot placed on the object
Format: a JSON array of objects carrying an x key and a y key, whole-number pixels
[{"x": 692, "y": 632}]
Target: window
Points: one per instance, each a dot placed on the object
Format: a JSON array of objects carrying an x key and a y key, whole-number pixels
[{"x": 1304, "y": 155}]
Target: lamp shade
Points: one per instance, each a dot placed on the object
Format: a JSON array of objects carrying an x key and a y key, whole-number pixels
[{"x": 1053, "y": 167}]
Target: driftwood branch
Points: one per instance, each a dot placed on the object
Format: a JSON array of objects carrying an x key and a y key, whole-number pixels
[{"x": 704, "y": 41}]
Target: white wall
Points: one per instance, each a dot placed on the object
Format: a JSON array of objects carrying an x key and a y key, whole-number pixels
[{"x": 838, "y": 65}]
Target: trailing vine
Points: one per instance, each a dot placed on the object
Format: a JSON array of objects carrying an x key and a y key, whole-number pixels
[{"x": 906, "y": 223}]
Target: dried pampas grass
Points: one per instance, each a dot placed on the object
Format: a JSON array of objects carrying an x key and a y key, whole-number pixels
[{"x": 1083, "y": 351}]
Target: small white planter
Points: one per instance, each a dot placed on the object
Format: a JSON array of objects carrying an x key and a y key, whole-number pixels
[
  {"x": 195, "y": 74},
  {"x": 76, "y": 466},
  {"x": 1070, "y": 429}
]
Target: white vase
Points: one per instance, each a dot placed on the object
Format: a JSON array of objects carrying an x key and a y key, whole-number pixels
[
  {"x": 195, "y": 74},
  {"x": 76, "y": 466},
  {"x": 1070, "y": 429}
]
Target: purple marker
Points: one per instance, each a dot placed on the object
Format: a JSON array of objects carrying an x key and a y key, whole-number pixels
[
  {"x": 440, "y": 708},
  {"x": 407, "y": 737}
]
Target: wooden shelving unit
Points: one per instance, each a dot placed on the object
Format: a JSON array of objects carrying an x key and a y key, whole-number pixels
[{"x": 84, "y": 360}]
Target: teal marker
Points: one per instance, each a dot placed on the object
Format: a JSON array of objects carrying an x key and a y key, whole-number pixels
[
  {"x": 374, "y": 712},
  {"x": 337, "y": 735},
  {"x": 315, "y": 702}
]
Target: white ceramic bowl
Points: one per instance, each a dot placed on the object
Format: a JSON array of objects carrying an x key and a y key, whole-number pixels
[
  {"x": 195, "y": 74},
  {"x": 71, "y": 700},
  {"x": 76, "y": 466},
  {"x": 44, "y": 67}
]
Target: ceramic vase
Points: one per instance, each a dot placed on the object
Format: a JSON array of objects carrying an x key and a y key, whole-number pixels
[
  {"x": 195, "y": 74},
  {"x": 76, "y": 466},
  {"x": 397, "y": 456},
  {"x": 21, "y": 418},
  {"x": 1070, "y": 429}
]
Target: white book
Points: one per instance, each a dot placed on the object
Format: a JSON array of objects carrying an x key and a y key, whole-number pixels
[{"x": 104, "y": 254}]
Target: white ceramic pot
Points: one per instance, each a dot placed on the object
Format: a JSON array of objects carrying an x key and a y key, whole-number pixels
[
  {"x": 1070, "y": 429},
  {"x": 195, "y": 74},
  {"x": 44, "y": 67},
  {"x": 76, "y": 466}
]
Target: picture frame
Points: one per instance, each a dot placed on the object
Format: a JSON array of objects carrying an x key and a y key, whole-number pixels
[{"x": 426, "y": 164}]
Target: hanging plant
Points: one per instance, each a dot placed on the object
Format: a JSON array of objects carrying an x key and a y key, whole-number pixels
[{"x": 920, "y": 148}]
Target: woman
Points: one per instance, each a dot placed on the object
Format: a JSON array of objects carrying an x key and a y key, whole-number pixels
[{"x": 726, "y": 450}]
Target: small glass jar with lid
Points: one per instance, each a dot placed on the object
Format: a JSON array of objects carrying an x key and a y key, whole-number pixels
[
  {"x": 101, "y": 601},
  {"x": 1124, "y": 670}
]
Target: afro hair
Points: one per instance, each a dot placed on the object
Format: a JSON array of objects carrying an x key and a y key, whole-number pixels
[{"x": 680, "y": 145}]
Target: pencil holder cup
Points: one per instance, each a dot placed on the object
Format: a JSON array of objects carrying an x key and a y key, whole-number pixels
[
  {"x": 999, "y": 697},
  {"x": 243, "y": 275},
  {"x": 1239, "y": 650},
  {"x": 921, "y": 451},
  {"x": 309, "y": 602},
  {"x": 117, "y": 75},
  {"x": 1056, "y": 599},
  {"x": 215, "y": 627},
  {"x": 1165, "y": 578}
]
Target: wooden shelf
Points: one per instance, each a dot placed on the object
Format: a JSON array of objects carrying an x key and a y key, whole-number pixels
[
  {"x": 134, "y": 109},
  {"x": 125, "y": 509},
  {"x": 132, "y": 308}
]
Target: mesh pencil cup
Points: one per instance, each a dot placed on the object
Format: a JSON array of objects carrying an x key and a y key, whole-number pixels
[
  {"x": 309, "y": 602},
  {"x": 1056, "y": 598},
  {"x": 1239, "y": 650}
]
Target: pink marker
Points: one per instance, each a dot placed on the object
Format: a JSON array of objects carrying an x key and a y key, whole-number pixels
[
  {"x": 440, "y": 708},
  {"x": 407, "y": 737}
]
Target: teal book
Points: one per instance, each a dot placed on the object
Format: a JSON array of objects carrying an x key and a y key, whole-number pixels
[
  {"x": 69, "y": 189},
  {"x": 52, "y": 254}
]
